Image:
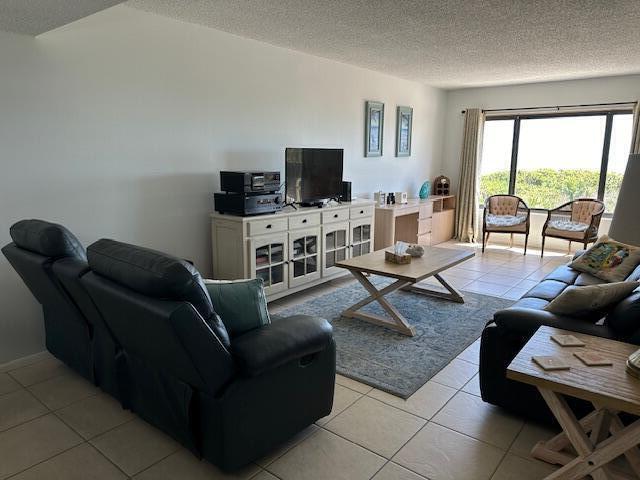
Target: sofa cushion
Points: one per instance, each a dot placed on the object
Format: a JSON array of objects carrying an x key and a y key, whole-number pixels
[
  {"x": 155, "y": 274},
  {"x": 46, "y": 238},
  {"x": 585, "y": 279},
  {"x": 609, "y": 260},
  {"x": 547, "y": 290},
  {"x": 624, "y": 319},
  {"x": 564, "y": 274},
  {"x": 576, "y": 301}
]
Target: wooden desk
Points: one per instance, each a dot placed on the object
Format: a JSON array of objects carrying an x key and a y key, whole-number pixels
[
  {"x": 427, "y": 222},
  {"x": 601, "y": 436}
]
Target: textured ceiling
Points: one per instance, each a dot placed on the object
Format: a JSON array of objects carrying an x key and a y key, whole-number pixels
[
  {"x": 447, "y": 43},
  {"x": 33, "y": 17}
]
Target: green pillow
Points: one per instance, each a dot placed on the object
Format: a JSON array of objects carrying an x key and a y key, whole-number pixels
[{"x": 241, "y": 304}]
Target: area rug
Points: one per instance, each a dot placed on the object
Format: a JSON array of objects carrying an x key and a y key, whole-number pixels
[{"x": 388, "y": 360}]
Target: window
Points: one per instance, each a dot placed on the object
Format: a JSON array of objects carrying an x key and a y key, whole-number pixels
[
  {"x": 496, "y": 158},
  {"x": 548, "y": 160}
]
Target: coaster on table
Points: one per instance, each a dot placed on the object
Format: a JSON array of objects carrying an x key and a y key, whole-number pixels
[
  {"x": 633, "y": 371},
  {"x": 567, "y": 341},
  {"x": 593, "y": 359},
  {"x": 551, "y": 363}
]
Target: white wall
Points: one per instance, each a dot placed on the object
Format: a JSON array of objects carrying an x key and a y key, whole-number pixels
[
  {"x": 117, "y": 126},
  {"x": 598, "y": 90}
]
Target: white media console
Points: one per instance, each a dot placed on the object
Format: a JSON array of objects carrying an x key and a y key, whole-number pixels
[{"x": 292, "y": 249}]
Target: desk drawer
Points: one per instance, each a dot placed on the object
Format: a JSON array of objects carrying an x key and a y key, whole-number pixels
[
  {"x": 424, "y": 239},
  {"x": 302, "y": 221},
  {"x": 260, "y": 227},
  {"x": 426, "y": 210},
  {"x": 424, "y": 226},
  {"x": 335, "y": 215},
  {"x": 361, "y": 212}
]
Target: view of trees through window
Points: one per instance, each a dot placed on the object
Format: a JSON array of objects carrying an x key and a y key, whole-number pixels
[{"x": 558, "y": 159}]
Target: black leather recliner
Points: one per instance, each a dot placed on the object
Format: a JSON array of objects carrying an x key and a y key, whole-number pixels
[
  {"x": 511, "y": 329},
  {"x": 37, "y": 245},
  {"x": 230, "y": 400},
  {"x": 51, "y": 261},
  {"x": 69, "y": 272}
]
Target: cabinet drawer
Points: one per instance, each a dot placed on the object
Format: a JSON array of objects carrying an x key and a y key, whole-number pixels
[
  {"x": 335, "y": 215},
  {"x": 302, "y": 221},
  {"x": 424, "y": 239},
  {"x": 424, "y": 226},
  {"x": 260, "y": 227},
  {"x": 361, "y": 212},
  {"x": 426, "y": 210}
]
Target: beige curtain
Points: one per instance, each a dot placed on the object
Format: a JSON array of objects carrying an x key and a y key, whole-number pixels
[
  {"x": 635, "y": 135},
  {"x": 466, "y": 224}
]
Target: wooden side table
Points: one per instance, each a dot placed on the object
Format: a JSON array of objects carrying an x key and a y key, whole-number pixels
[{"x": 601, "y": 436}]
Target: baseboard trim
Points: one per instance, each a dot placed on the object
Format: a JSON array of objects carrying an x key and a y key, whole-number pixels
[{"x": 24, "y": 361}]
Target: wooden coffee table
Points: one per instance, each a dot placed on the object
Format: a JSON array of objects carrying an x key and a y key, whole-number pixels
[
  {"x": 601, "y": 436},
  {"x": 434, "y": 261}
]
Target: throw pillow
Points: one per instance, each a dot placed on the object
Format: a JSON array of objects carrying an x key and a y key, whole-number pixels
[
  {"x": 590, "y": 298},
  {"x": 241, "y": 304},
  {"x": 609, "y": 260}
]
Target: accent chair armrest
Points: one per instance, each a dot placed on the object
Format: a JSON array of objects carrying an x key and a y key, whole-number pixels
[{"x": 280, "y": 342}]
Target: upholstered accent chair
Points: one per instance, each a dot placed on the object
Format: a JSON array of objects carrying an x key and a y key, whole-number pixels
[
  {"x": 505, "y": 214},
  {"x": 575, "y": 221}
]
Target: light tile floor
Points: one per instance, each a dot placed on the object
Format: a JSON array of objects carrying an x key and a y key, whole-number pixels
[{"x": 54, "y": 425}]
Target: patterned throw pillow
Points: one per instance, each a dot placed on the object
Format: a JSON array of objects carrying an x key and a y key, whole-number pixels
[{"x": 609, "y": 260}]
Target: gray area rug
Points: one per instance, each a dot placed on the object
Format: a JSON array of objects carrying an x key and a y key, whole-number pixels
[{"x": 388, "y": 360}]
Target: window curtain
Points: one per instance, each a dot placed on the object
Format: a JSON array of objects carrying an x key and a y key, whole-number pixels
[
  {"x": 466, "y": 211},
  {"x": 635, "y": 134}
]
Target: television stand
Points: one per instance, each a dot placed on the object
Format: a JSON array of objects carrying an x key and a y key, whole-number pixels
[{"x": 292, "y": 250}]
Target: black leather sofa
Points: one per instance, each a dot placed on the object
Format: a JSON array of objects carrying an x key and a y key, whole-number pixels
[
  {"x": 166, "y": 354},
  {"x": 512, "y": 327}
]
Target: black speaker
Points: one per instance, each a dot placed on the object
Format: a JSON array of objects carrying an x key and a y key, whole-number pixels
[{"x": 346, "y": 192}]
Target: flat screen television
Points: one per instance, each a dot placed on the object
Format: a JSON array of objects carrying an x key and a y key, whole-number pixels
[{"x": 313, "y": 175}]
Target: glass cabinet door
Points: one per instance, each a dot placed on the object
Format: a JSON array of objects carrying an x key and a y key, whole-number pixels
[
  {"x": 269, "y": 261},
  {"x": 304, "y": 254},
  {"x": 361, "y": 237},
  {"x": 336, "y": 246}
]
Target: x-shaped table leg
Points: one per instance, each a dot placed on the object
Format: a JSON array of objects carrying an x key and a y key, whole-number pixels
[
  {"x": 594, "y": 452},
  {"x": 395, "y": 321}
]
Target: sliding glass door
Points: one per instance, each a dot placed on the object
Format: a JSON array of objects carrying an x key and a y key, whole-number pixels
[{"x": 548, "y": 160}]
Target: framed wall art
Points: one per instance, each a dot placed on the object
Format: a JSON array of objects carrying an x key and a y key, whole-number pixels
[
  {"x": 403, "y": 131},
  {"x": 374, "y": 127}
]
